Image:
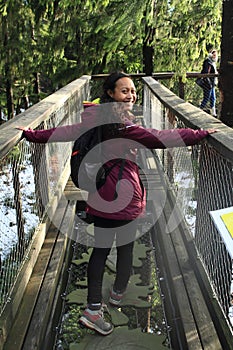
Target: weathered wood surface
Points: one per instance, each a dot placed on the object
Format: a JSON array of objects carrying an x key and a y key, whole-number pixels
[
  {"x": 73, "y": 193},
  {"x": 194, "y": 117},
  {"x": 196, "y": 328},
  {"x": 137, "y": 296},
  {"x": 190, "y": 317},
  {"x": 36, "y": 310}
]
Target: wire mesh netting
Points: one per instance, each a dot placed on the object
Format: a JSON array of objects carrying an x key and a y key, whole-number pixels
[
  {"x": 20, "y": 212},
  {"x": 202, "y": 97},
  {"x": 29, "y": 180},
  {"x": 215, "y": 192},
  {"x": 202, "y": 180}
]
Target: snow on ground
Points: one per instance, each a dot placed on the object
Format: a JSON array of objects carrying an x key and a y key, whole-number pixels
[
  {"x": 8, "y": 221},
  {"x": 185, "y": 185}
]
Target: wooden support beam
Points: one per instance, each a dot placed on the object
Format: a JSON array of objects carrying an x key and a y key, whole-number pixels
[{"x": 33, "y": 320}]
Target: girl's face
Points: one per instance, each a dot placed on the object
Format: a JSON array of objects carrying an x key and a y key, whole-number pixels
[{"x": 124, "y": 92}]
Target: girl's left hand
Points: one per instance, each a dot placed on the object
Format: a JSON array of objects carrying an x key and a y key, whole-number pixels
[{"x": 212, "y": 131}]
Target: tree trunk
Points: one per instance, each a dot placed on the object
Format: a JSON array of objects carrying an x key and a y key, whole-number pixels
[
  {"x": 9, "y": 98},
  {"x": 37, "y": 88},
  {"x": 19, "y": 210},
  {"x": 148, "y": 59},
  {"x": 8, "y": 75},
  {"x": 226, "y": 65},
  {"x": 148, "y": 51},
  {"x": 1, "y": 113}
]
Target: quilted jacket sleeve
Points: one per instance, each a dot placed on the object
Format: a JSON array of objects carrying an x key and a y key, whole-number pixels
[
  {"x": 64, "y": 133},
  {"x": 152, "y": 138},
  {"x": 59, "y": 134}
]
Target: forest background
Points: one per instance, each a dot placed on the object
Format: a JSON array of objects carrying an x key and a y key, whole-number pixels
[{"x": 47, "y": 44}]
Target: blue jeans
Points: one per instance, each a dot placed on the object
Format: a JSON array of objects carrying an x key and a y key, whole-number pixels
[{"x": 209, "y": 95}]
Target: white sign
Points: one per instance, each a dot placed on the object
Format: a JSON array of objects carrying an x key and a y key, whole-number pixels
[{"x": 223, "y": 219}]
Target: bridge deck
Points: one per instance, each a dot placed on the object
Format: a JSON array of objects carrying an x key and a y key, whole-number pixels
[{"x": 189, "y": 315}]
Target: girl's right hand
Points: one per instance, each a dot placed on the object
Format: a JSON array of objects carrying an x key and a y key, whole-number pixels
[{"x": 23, "y": 128}]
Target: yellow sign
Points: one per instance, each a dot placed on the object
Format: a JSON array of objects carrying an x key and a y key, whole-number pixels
[
  {"x": 228, "y": 221},
  {"x": 223, "y": 220}
]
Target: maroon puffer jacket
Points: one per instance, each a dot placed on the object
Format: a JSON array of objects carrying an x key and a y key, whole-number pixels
[{"x": 130, "y": 201}]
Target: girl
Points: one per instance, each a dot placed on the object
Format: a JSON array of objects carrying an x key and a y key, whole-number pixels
[{"x": 115, "y": 216}]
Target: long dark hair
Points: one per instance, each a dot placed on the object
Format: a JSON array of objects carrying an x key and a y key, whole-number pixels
[
  {"x": 110, "y": 84},
  {"x": 112, "y": 129}
]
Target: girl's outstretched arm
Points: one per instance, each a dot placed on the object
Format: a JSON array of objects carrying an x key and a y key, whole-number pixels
[{"x": 60, "y": 134}]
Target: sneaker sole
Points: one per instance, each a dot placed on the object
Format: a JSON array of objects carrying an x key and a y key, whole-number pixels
[
  {"x": 90, "y": 325},
  {"x": 114, "y": 302}
]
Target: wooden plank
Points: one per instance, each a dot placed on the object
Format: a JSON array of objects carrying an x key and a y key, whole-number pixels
[
  {"x": 41, "y": 315},
  {"x": 73, "y": 193},
  {"x": 187, "y": 294},
  {"x": 186, "y": 326},
  {"x": 202, "y": 317},
  {"x": 33, "y": 116},
  {"x": 193, "y": 117},
  {"x": 188, "y": 330},
  {"x": 205, "y": 326},
  {"x": 9, "y": 313},
  {"x": 187, "y": 257},
  {"x": 193, "y": 309},
  {"x": 22, "y": 320},
  {"x": 76, "y": 195}
]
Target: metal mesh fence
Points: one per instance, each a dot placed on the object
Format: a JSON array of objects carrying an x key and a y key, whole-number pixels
[
  {"x": 19, "y": 215},
  {"x": 202, "y": 180},
  {"x": 193, "y": 93},
  {"x": 200, "y": 177},
  {"x": 215, "y": 192},
  {"x": 29, "y": 180}
]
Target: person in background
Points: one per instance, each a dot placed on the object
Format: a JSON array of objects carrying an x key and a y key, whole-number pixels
[
  {"x": 115, "y": 221},
  {"x": 209, "y": 66}
]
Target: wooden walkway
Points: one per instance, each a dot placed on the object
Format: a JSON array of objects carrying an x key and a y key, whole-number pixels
[
  {"x": 192, "y": 316},
  {"x": 39, "y": 310},
  {"x": 189, "y": 316},
  {"x": 183, "y": 280},
  {"x": 137, "y": 298},
  {"x": 135, "y": 301}
]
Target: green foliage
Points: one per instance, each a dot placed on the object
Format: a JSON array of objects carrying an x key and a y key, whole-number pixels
[
  {"x": 189, "y": 31},
  {"x": 62, "y": 40},
  {"x": 15, "y": 153}
]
